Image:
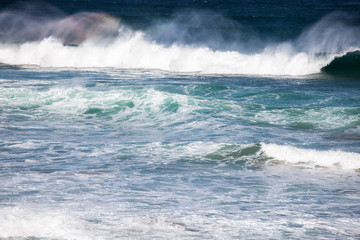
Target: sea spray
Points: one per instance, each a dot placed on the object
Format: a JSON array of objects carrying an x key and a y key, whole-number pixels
[
  {"x": 336, "y": 33},
  {"x": 29, "y": 22},
  {"x": 102, "y": 42}
]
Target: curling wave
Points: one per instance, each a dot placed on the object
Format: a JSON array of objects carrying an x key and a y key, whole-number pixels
[{"x": 347, "y": 65}]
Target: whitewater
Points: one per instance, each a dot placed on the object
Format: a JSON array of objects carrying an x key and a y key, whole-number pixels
[
  {"x": 94, "y": 40},
  {"x": 150, "y": 120}
]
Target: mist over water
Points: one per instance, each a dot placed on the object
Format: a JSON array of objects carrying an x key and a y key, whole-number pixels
[
  {"x": 337, "y": 33},
  {"x": 202, "y": 41},
  {"x": 30, "y": 22},
  {"x": 205, "y": 29}
]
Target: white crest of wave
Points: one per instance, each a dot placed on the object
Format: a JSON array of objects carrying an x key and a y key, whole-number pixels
[
  {"x": 126, "y": 48},
  {"x": 310, "y": 157},
  {"x": 134, "y": 51}
]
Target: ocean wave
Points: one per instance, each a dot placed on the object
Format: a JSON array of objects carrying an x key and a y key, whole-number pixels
[
  {"x": 95, "y": 40},
  {"x": 313, "y": 158},
  {"x": 347, "y": 65},
  {"x": 155, "y": 106},
  {"x": 136, "y": 52},
  {"x": 255, "y": 155}
]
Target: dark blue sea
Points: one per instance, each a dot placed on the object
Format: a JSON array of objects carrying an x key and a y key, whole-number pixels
[{"x": 180, "y": 119}]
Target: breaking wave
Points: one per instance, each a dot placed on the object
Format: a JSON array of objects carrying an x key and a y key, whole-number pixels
[
  {"x": 313, "y": 158},
  {"x": 98, "y": 40}
]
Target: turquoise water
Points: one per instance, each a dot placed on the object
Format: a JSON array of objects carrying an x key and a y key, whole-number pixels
[
  {"x": 112, "y": 154},
  {"x": 116, "y": 130}
]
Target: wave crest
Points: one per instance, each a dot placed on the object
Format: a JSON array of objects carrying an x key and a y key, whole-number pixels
[
  {"x": 313, "y": 158},
  {"x": 101, "y": 41}
]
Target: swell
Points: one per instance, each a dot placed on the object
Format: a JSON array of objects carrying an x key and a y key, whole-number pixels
[{"x": 98, "y": 40}]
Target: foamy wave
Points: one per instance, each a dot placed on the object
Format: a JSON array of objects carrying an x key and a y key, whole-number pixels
[
  {"x": 78, "y": 101},
  {"x": 312, "y": 158},
  {"x": 136, "y": 52},
  {"x": 93, "y": 40},
  {"x": 22, "y": 223}
]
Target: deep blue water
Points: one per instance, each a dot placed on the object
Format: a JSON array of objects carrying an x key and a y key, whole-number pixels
[{"x": 180, "y": 120}]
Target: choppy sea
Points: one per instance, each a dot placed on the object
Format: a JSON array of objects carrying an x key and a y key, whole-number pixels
[{"x": 180, "y": 120}]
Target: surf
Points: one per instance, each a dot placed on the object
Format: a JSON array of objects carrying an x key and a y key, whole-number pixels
[
  {"x": 98, "y": 40},
  {"x": 311, "y": 158}
]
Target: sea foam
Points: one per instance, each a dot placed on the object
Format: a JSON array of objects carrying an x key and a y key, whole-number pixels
[
  {"x": 134, "y": 49},
  {"x": 24, "y": 223},
  {"x": 313, "y": 158},
  {"x": 136, "y": 52}
]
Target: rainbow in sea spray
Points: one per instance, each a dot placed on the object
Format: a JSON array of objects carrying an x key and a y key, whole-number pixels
[{"x": 98, "y": 40}]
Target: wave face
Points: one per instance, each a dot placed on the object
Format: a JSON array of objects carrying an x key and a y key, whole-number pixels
[
  {"x": 208, "y": 45},
  {"x": 347, "y": 65}
]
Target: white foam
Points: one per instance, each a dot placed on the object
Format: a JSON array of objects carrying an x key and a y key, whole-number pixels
[
  {"x": 148, "y": 107},
  {"x": 17, "y": 222},
  {"x": 26, "y": 145},
  {"x": 214, "y": 225},
  {"x": 313, "y": 158},
  {"x": 129, "y": 52},
  {"x": 108, "y": 43}
]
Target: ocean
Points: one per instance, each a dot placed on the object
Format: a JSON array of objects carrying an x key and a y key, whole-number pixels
[{"x": 180, "y": 119}]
